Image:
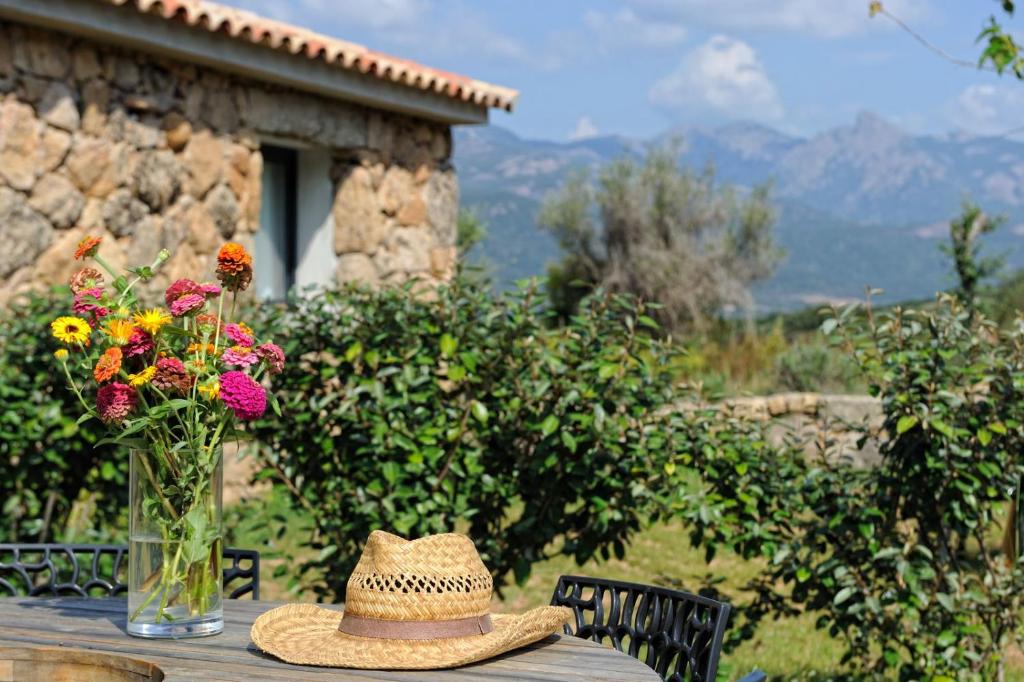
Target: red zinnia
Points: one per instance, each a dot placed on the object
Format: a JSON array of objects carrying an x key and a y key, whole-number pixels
[{"x": 114, "y": 402}]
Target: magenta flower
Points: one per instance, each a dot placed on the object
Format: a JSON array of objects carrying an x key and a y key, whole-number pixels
[
  {"x": 87, "y": 302},
  {"x": 115, "y": 401},
  {"x": 140, "y": 343},
  {"x": 243, "y": 395},
  {"x": 187, "y": 304},
  {"x": 210, "y": 290},
  {"x": 239, "y": 356},
  {"x": 273, "y": 355},
  {"x": 179, "y": 288},
  {"x": 238, "y": 335}
]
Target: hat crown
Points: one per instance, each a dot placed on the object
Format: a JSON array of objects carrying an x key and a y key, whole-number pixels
[{"x": 438, "y": 577}]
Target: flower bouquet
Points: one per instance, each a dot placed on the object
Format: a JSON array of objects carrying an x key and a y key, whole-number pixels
[{"x": 169, "y": 383}]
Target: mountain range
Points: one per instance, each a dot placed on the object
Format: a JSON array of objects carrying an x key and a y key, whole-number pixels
[{"x": 860, "y": 205}]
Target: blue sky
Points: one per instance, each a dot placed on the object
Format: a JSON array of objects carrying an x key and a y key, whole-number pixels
[{"x": 639, "y": 67}]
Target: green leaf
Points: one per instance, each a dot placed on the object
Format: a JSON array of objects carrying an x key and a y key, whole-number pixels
[
  {"x": 843, "y": 595},
  {"x": 353, "y": 351},
  {"x": 942, "y": 427},
  {"x": 905, "y": 423},
  {"x": 448, "y": 345},
  {"x": 984, "y": 437},
  {"x": 479, "y": 411},
  {"x": 568, "y": 441},
  {"x": 549, "y": 425}
]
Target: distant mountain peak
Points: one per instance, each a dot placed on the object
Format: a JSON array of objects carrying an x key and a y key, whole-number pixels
[{"x": 871, "y": 124}]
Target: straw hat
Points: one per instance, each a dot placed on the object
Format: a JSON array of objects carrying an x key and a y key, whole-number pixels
[{"x": 413, "y": 605}]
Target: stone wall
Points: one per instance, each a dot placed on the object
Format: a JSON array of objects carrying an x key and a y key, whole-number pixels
[
  {"x": 822, "y": 423},
  {"x": 152, "y": 153}
]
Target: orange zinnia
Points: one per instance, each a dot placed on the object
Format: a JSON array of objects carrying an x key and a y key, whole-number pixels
[
  {"x": 87, "y": 247},
  {"x": 234, "y": 267},
  {"x": 108, "y": 365}
]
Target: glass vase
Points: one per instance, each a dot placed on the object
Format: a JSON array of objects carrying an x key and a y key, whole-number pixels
[{"x": 175, "y": 543}]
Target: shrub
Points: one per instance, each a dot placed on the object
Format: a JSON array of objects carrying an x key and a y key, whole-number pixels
[
  {"x": 813, "y": 366},
  {"x": 899, "y": 560},
  {"x": 463, "y": 411},
  {"x": 49, "y": 461}
]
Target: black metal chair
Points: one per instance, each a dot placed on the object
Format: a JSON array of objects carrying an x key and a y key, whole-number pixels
[
  {"x": 95, "y": 570},
  {"x": 677, "y": 634}
]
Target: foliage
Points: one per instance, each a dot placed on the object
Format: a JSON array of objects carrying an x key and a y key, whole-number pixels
[
  {"x": 465, "y": 411},
  {"x": 964, "y": 249},
  {"x": 895, "y": 558},
  {"x": 49, "y": 461},
  {"x": 661, "y": 233},
  {"x": 470, "y": 231},
  {"x": 808, "y": 365},
  {"x": 1001, "y": 50}
]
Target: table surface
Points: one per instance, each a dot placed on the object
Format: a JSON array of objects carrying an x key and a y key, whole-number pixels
[{"x": 98, "y": 625}]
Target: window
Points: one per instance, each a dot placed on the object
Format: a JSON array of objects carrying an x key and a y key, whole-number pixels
[
  {"x": 275, "y": 241},
  {"x": 294, "y": 246}
]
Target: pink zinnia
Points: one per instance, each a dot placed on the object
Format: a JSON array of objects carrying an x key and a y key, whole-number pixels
[
  {"x": 240, "y": 356},
  {"x": 116, "y": 401},
  {"x": 181, "y": 287},
  {"x": 87, "y": 302},
  {"x": 140, "y": 343},
  {"x": 171, "y": 374},
  {"x": 273, "y": 355},
  {"x": 238, "y": 335},
  {"x": 243, "y": 395},
  {"x": 189, "y": 303},
  {"x": 210, "y": 290}
]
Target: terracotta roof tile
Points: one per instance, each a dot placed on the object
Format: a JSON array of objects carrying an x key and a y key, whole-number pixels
[{"x": 249, "y": 27}]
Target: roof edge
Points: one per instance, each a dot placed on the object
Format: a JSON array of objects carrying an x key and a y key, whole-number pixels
[{"x": 265, "y": 50}]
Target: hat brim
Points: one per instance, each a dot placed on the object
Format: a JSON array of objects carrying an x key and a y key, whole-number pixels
[{"x": 306, "y": 634}]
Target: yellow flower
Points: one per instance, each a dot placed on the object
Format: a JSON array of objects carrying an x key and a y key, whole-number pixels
[
  {"x": 71, "y": 330},
  {"x": 143, "y": 377},
  {"x": 61, "y": 354},
  {"x": 211, "y": 390},
  {"x": 119, "y": 331},
  {"x": 151, "y": 320}
]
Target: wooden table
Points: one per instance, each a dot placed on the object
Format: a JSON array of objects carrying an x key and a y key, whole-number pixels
[{"x": 98, "y": 625}]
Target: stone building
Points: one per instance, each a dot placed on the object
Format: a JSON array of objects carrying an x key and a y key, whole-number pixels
[{"x": 180, "y": 124}]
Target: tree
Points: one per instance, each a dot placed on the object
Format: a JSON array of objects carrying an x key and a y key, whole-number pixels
[
  {"x": 470, "y": 231},
  {"x": 662, "y": 233},
  {"x": 965, "y": 249}
]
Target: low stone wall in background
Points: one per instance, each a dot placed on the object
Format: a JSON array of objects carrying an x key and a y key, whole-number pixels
[{"x": 820, "y": 422}]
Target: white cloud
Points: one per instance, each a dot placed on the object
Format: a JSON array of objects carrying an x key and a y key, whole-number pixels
[
  {"x": 820, "y": 18},
  {"x": 988, "y": 109},
  {"x": 722, "y": 77},
  {"x": 585, "y": 128},
  {"x": 625, "y": 28}
]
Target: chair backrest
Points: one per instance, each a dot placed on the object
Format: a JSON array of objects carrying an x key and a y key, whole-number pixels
[
  {"x": 97, "y": 570},
  {"x": 677, "y": 634}
]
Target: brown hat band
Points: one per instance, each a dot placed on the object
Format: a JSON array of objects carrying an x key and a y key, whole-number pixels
[{"x": 361, "y": 626}]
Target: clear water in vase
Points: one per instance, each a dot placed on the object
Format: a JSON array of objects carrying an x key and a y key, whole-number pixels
[{"x": 175, "y": 550}]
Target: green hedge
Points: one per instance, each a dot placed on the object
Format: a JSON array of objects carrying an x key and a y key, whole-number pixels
[
  {"x": 465, "y": 411},
  {"x": 48, "y": 461}
]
